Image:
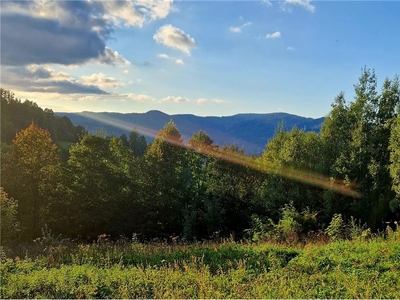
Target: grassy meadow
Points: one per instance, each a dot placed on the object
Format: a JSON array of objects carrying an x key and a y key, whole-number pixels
[{"x": 361, "y": 268}]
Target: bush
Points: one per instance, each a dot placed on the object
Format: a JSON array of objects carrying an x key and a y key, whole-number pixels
[
  {"x": 335, "y": 230},
  {"x": 358, "y": 231},
  {"x": 9, "y": 225},
  {"x": 393, "y": 235},
  {"x": 288, "y": 227},
  {"x": 291, "y": 227}
]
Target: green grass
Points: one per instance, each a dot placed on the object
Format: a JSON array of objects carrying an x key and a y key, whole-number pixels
[{"x": 343, "y": 269}]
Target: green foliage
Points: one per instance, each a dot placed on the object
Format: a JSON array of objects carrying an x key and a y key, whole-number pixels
[
  {"x": 164, "y": 182},
  {"x": 137, "y": 143},
  {"x": 357, "y": 137},
  {"x": 31, "y": 174},
  {"x": 200, "y": 139},
  {"x": 294, "y": 225},
  {"x": 9, "y": 224},
  {"x": 343, "y": 269},
  {"x": 288, "y": 227},
  {"x": 336, "y": 228},
  {"x": 259, "y": 230},
  {"x": 393, "y": 235},
  {"x": 291, "y": 228},
  {"x": 17, "y": 115},
  {"x": 48, "y": 238},
  {"x": 358, "y": 230},
  {"x": 394, "y": 167},
  {"x": 101, "y": 181},
  {"x": 170, "y": 190}
]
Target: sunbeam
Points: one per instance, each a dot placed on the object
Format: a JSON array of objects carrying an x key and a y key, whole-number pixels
[{"x": 307, "y": 177}]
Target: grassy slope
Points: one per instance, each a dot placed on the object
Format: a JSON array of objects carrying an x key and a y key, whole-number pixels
[{"x": 345, "y": 269}]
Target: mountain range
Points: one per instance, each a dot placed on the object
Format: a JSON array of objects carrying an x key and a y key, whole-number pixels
[{"x": 248, "y": 131}]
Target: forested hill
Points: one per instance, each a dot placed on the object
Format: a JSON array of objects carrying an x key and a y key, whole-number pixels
[
  {"x": 248, "y": 131},
  {"x": 16, "y": 115}
]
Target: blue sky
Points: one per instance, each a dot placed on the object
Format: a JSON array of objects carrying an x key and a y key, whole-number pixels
[{"x": 198, "y": 57}]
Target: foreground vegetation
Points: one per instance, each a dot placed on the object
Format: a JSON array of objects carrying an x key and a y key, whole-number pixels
[
  {"x": 359, "y": 268},
  {"x": 341, "y": 185}
]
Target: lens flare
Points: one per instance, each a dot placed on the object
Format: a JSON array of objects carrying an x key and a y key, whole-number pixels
[{"x": 305, "y": 176}]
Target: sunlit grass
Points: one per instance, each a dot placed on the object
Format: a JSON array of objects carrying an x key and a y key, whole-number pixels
[{"x": 343, "y": 269}]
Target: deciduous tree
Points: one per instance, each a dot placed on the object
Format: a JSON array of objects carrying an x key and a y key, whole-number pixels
[{"x": 32, "y": 174}]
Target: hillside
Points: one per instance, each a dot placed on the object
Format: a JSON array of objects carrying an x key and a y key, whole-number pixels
[
  {"x": 16, "y": 115},
  {"x": 248, "y": 131}
]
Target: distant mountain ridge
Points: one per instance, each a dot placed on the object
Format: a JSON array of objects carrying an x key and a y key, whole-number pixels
[{"x": 248, "y": 131}]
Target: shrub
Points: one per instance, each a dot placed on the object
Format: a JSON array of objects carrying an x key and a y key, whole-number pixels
[
  {"x": 9, "y": 225},
  {"x": 357, "y": 230},
  {"x": 393, "y": 235},
  {"x": 291, "y": 227},
  {"x": 335, "y": 230}
]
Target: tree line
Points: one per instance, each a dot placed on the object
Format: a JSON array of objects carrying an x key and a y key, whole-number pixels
[{"x": 122, "y": 186}]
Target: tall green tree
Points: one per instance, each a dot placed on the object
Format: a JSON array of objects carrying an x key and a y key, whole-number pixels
[
  {"x": 356, "y": 138},
  {"x": 395, "y": 165},
  {"x": 296, "y": 153},
  {"x": 101, "y": 186},
  {"x": 32, "y": 175},
  {"x": 200, "y": 214},
  {"x": 165, "y": 185},
  {"x": 137, "y": 143},
  {"x": 233, "y": 187}
]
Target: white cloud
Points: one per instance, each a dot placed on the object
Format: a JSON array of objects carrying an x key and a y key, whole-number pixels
[
  {"x": 89, "y": 98},
  {"x": 175, "y": 99},
  {"x": 306, "y": 4},
  {"x": 158, "y": 9},
  {"x": 178, "y": 61},
  {"x": 266, "y": 2},
  {"x": 219, "y": 101},
  {"x": 274, "y": 35},
  {"x": 45, "y": 73},
  {"x": 235, "y": 29},
  {"x": 122, "y": 12},
  {"x": 290, "y": 48},
  {"x": 201, "y": 101},
  {"x": 100, "y": 80},
  {"x": 70, "y": 32},
  {"x": 126, "y": 71},
  {"x": 139, "y": 98},
  {"x": 239, "y": 28},
  {"x": 174, "y": 38},
  {"x": 135, "y": 12},
  {"x": 164, "y": 56},
  {"x": 43, "y": 79},
  {"x": 112, "y": 57}
]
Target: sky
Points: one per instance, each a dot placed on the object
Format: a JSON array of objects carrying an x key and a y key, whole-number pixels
[{"x": 207, "y": 58}]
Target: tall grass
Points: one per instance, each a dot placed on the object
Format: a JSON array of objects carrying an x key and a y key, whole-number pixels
[{"x": 341, "y": 269}]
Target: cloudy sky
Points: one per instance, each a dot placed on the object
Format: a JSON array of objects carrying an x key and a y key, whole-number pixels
[{"x": 198, "y": 57}]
